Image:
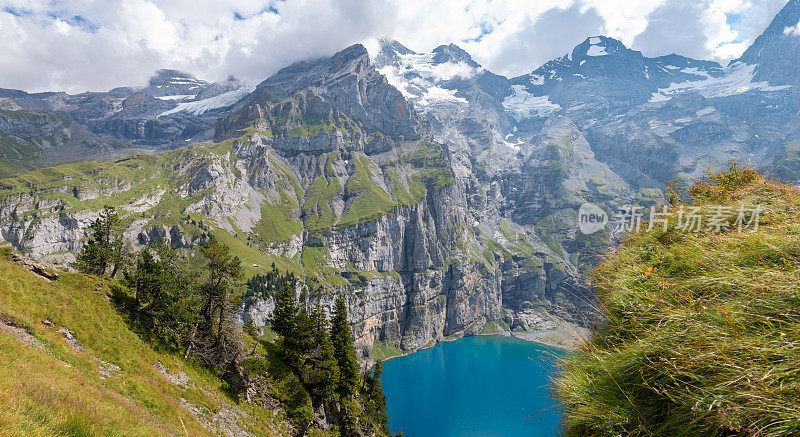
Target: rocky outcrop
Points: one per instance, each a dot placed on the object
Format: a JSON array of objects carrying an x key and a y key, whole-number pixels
[{"x": 34, "y": 266}]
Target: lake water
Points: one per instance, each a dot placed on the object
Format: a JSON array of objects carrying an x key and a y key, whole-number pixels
[{"x": 476, "y": 386}]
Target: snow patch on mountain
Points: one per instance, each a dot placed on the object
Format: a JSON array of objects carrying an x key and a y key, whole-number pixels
[
  {"x": 596, "y": 50},
  {"x": 221, "y": 101},
  {"x": 419, "y": 79},
  {"x": 423, "y": 65},
  {"x": 537, "y": 79},
  {"x": 515, "y": 146},
  {"x": 522, "y": 104},
  {"x": 436, "y": 94},
  {"x": 177, "y": 97},
  {"x": 738, "y": 79}
]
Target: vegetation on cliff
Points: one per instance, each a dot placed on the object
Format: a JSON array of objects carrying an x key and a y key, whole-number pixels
[{"x": 702, "y": 329}]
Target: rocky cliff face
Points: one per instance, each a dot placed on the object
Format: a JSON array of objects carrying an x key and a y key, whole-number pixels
[{"x": 775, "y": 52}]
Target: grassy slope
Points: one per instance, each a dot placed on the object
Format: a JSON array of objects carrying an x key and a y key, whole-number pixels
[
  {"x": 56, "y": 390},
  {"x": 703, "y": 330}
]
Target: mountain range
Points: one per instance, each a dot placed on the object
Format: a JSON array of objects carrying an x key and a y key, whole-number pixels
[{"x": 439, "y": 197}]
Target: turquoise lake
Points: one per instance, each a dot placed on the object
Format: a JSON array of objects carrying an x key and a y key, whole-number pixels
[{"x": 476, "y": 386}]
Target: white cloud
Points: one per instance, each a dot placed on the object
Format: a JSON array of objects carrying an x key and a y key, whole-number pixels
[
  {"x": 82, "y": 45},
  {"x": 792, "y": 30},
  {"x": 707, "y": 29}
]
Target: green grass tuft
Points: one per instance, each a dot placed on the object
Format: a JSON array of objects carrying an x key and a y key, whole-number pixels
[{"x": 702, "y": 330}]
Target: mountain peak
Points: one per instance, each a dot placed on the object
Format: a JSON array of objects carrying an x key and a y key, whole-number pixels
[
  {"x": 390, "y": 46},
  {"x": 165, "y": 76},
  {"x": 597, "y": 46},
  {"x": 775, "y": 52},
  {"x": 349, "y": 81},
  {"x": 452, "y": 53},
  {"x": 355, "y": 51}
]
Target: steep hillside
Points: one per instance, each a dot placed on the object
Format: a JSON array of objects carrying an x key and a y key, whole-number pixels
[
  {"x": 31, "y": 139},
  {"x": 71, "y": 366},
  {"x": 702, "y": 328}
]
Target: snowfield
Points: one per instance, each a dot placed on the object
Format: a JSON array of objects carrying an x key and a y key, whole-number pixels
[{"x": 211, "y": 103}]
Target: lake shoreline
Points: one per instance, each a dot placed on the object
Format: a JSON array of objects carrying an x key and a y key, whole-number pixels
[{"x": 567, "y": 338}]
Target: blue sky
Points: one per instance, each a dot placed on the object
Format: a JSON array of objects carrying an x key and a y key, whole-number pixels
[{"x": 83, "y": 45}]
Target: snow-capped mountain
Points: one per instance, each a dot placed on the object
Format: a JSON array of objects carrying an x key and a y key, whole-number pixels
[
  {"x": 749, "y": 105},
  {"x": 172, "y": 109},
  {"x": 174, "y": 85}
]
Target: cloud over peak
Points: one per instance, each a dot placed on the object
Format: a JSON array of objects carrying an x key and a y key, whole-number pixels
[{"x": 101, "y": 44}]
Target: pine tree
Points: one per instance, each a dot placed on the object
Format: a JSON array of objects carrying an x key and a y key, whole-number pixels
[
  {"x": 375, "y": 408},
  {"x": 294, "y": 326},
  {"x": 300, "y": 342},
  {"x": 325, "y": 370},
  {"x": 165, "y": 294},
  {"x": 223, "y": 269},
  {"x": 218, "y": 344},
  {"x": 284, "y": 317},
  {"x": 103, "y": 253},
  {"x": 345, "y": 353}
]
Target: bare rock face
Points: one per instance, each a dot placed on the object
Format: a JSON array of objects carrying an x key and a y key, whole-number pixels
[
  {"x": 775, "y": 52},
  {"x": 350, "y": 82}
]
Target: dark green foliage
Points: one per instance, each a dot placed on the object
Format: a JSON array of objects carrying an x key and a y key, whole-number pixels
[
  {"x": 325, "y": 362},
  {"x": 309, "y": 365},
  {"x": 345, "y": 353},
  {"x": 103, "y": 253},
  {"x": 282, "y": 384},
  {"x": 297, "y": 346},
  {"x": 223, "y": 269},
  {"x": 165, "y": 295},
  {"x": 375, "y": 400},
  {"x": 284, "y": 317},
  {"x": 263, "y": 286},
  {"x": 214, "y": 340},
  {"x": 351, "y": 410},
  {"x": 324, "y": 371},
  {"x": 304, "y": 344},
  {"x": 250, "y": 329}
]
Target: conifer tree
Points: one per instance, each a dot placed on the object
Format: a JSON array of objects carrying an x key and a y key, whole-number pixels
[
  {"x": 103, "y": 253},
  {"x": 164, "y": 294},
  {"x": 300, "y": 342},
  {"x": 375, "y": 408},
  {"x": 345, "y": 353},
  {"x": 325, "y": 369},
  {"x": 284, "y": 316},
  {"x": 223, "y": 268},
  {"x": 218, "y": 344},
  {"x": 294, "y": 326}
]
